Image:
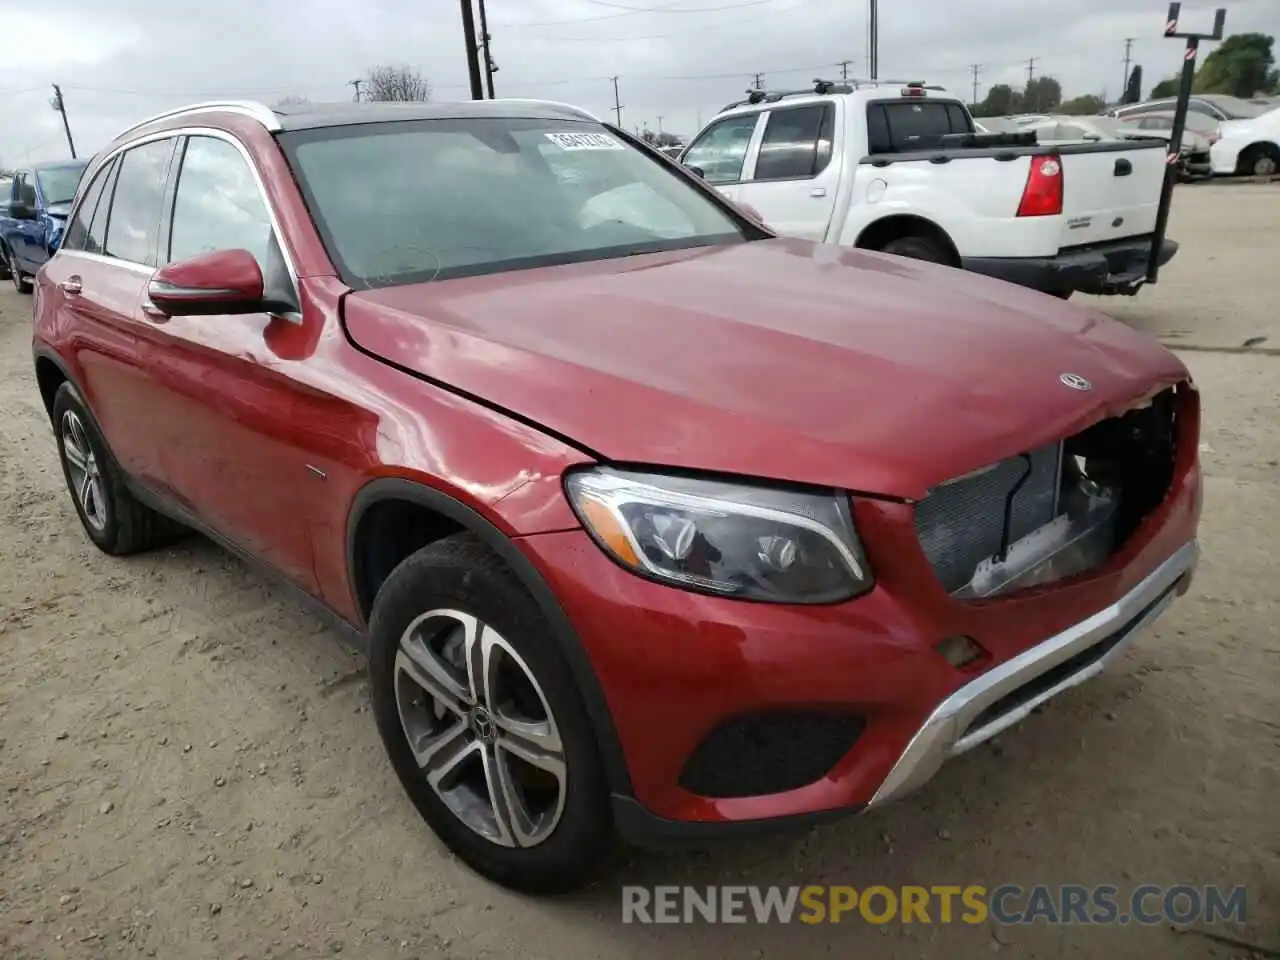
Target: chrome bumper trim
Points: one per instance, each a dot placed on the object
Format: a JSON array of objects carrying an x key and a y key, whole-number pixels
[{"x": 946, "y": 732}]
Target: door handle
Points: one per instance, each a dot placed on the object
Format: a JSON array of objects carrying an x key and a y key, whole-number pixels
[
  {"x": 71, "y": 286},
  {"x": 818, "y": 192},
  {"x": 1123, "y": 167}
]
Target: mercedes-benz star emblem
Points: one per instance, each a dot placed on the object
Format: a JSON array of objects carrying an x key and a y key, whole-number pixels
[
  {"x": 482, "y": 725},
  {"x": 1075, "y": 381}
]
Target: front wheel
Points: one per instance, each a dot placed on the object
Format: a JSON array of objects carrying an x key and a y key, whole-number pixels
[
  {"x": 482, "y": 722},
  {"x": 20, "y": 283},
  {"x": 1261, "y": 160}
]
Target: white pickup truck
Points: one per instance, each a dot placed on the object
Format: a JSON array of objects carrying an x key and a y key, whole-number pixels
[{"x": 898, "y": 167}]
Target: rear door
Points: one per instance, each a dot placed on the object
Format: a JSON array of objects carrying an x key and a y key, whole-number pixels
[
  {"x": 98, "y": 280},
  {"x": 792, "y": 181},
  {"x": 229, "y": 408},
  {"x": 720, "y": 151}
]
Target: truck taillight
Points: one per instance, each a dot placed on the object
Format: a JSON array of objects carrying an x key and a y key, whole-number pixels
[{"x": 1042, "y": 196}]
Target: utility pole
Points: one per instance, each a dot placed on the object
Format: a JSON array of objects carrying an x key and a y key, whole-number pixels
[
  {"x": 617, "y": 104},
  {"x": 473, "y": 54},
  {"x": 976, "y": 68},
  {"x": 1128, "y": 46},
  {"x": 357, "y": 84},
  {"x": 873, "y": 41},
  {"x": 844, "y": 69},
  {"x": 758, "y": 80},
  {"x": 59, "y": 105},
  {"x": 659, "y": 124},
  {"x": 489, "y": 68},
  {"x": 1031, "y": 76}
]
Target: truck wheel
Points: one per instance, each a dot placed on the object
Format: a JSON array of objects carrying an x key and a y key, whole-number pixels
[
  {"x": 1261, "y": 160},
  {"x": 20, "y": 283},
  {"x": 918, "y": 248}
]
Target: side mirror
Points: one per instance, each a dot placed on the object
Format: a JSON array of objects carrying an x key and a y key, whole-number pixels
[
  {"x": 751, "y": 212},
  {"x": 20, "y": 211},
  {"x": 696, "y": 170},
  {"x": 222, "y": 282}
]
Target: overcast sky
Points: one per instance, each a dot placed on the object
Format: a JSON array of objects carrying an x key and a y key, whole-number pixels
[{"x": 121, "y": 60}]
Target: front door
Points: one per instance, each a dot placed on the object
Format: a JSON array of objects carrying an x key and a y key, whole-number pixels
[
  {"x": 719, "y": 152},
  {"x": 230, "y": 405}
]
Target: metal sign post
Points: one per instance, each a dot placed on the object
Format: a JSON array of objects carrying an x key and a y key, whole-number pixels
[{"x": 1179, "y": 124}]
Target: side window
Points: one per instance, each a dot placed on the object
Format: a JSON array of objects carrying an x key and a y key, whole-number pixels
[
  {"x": 899, "y": 126},
  {"x": 797, "y": 143},
  {"x": 720, "y": 151},
  {"x": 137, "y": 202},
  {"x": 96, "y": 241},
  {"x": 1199, "y": 106},
  {"x": 218, "y": 205},
  {"x": 78, "y": 233}
]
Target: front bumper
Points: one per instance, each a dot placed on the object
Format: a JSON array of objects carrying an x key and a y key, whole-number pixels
[
  {"x": 1103, "y": 268},
  {"x": 674, "y": 666},
  {"x": 1001, "y": 697}
]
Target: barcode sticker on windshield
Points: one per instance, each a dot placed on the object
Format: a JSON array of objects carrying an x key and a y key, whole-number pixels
[{"x": 584, "y": 141}]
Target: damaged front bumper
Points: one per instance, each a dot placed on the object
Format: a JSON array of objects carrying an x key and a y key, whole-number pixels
[{"x": 1008, "y": 693}]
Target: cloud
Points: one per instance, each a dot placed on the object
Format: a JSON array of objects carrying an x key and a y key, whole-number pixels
[{"x": 121, "y": 60}]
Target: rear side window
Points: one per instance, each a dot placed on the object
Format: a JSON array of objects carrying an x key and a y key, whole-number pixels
[
  {"x": 907, "y": 125},
  {"x": 721, "y": 149},
  {"x": 797, "y": 143},
  {"x": 138, "y": 201},
  {"x": 218, "y": 205},
  {"x": 79, "y": 236}
]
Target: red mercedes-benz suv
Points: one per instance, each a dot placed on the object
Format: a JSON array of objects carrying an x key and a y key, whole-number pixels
[{"x": 653, "y": 524}]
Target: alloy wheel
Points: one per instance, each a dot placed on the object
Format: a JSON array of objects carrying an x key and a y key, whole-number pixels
[
  {"x": 84, "y": 470},
  {"x": 480, "y": 728},
  {"x": 1265, "y": 166}
]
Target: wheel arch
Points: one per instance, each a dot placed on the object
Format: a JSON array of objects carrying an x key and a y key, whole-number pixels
[
  {"x": 456, "y": 516},
  {"x": 898, "y": 225}
]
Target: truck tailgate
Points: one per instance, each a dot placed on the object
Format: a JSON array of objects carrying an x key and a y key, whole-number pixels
[{"x": 1110, "y": 190}]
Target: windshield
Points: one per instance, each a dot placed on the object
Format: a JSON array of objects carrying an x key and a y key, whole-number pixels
[
  {"x": 414, "y": 201},
  {"x": 58, "y": 184}
]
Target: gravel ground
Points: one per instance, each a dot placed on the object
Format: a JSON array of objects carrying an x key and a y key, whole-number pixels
[{"x": 189, "y": 769}]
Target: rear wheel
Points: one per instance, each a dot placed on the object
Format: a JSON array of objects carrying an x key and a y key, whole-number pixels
[
  {"x": 20, "y": 283},
  {"x": 116, "y": 522},
  {"x": 1261, "y": 160},
  {"x": 918, "y": 248},
  {"x": 482, "y": 721}
]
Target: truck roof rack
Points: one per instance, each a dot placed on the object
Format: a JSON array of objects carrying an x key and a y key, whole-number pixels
[
  {"x": 247, "y": 108},
  {"x": 757, "y": 96}
]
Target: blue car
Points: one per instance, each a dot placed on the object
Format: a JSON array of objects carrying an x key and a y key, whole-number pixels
[{"x": 33, "y": 217}]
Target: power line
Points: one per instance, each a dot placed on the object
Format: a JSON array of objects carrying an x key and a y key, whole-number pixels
[
  {"x": 663, "y": 36},
  {"x": 632, "y": 12}
]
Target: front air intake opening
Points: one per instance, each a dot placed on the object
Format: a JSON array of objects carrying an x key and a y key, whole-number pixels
[{"x": 1053, "y": 513}]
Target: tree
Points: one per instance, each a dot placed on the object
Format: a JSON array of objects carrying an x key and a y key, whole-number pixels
[
  {"x": 1042, "y": 96},
  {"x": 1241, "y": 66},
  {"x": 1165, "y": 88},
  {"x": 1001, "y": 100},
  {"x": 1085, "y": 106},
  {"x": 1133, "y": 90},
  {"x": 397, "y": 83},
  {"x": 292, "y": 100},
  {"x": 667, "y": 139}
]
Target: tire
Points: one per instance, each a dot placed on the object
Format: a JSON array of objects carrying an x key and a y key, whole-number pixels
[
  {"x": 918, "y": 248},
  {"x": 114, "y": 520},
  {"x": 422, "y": 608},
  {"x": 1261, "y": 160},
  {"x": 20, "y": 283}
]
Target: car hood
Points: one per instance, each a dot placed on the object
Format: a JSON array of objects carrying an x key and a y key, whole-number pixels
[{"x": 777, "y": 358}]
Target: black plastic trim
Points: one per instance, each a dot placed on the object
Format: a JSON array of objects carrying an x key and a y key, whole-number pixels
[
  {"x": 640, "y": 828},
  {"x": 391, "y": 488},
  {"x": 1011, "y": 153}
]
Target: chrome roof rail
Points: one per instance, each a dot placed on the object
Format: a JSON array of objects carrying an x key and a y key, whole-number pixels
[
  {"x": 245, "y": 108},
  {"x": 585, "y": 114}
]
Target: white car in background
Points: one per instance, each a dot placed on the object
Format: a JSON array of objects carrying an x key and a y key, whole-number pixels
[{"x": 1249, "y": 147}]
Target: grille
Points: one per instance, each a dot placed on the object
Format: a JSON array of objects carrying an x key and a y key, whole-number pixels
[
  {"x": 961, "y": 522},
  {"x": 764, "y": 753}
]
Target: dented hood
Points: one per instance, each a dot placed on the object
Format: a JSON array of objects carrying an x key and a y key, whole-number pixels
[{"x": 778, "y": 358}]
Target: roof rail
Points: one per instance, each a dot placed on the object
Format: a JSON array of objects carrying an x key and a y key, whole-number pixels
[
  {"x": 585, "y": 114},
  {"x": 820, "y": 87},
  {"x": 245, "y": 108}
]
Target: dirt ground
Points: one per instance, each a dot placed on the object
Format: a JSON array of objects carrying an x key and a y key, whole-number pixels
[{"x": 189, "y": 770}]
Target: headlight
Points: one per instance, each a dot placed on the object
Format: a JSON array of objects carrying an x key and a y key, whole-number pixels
[{"x": 757, "y": 543}]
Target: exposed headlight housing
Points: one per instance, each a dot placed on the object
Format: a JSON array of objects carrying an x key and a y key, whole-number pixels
[{"x": 732, "y": 539}]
